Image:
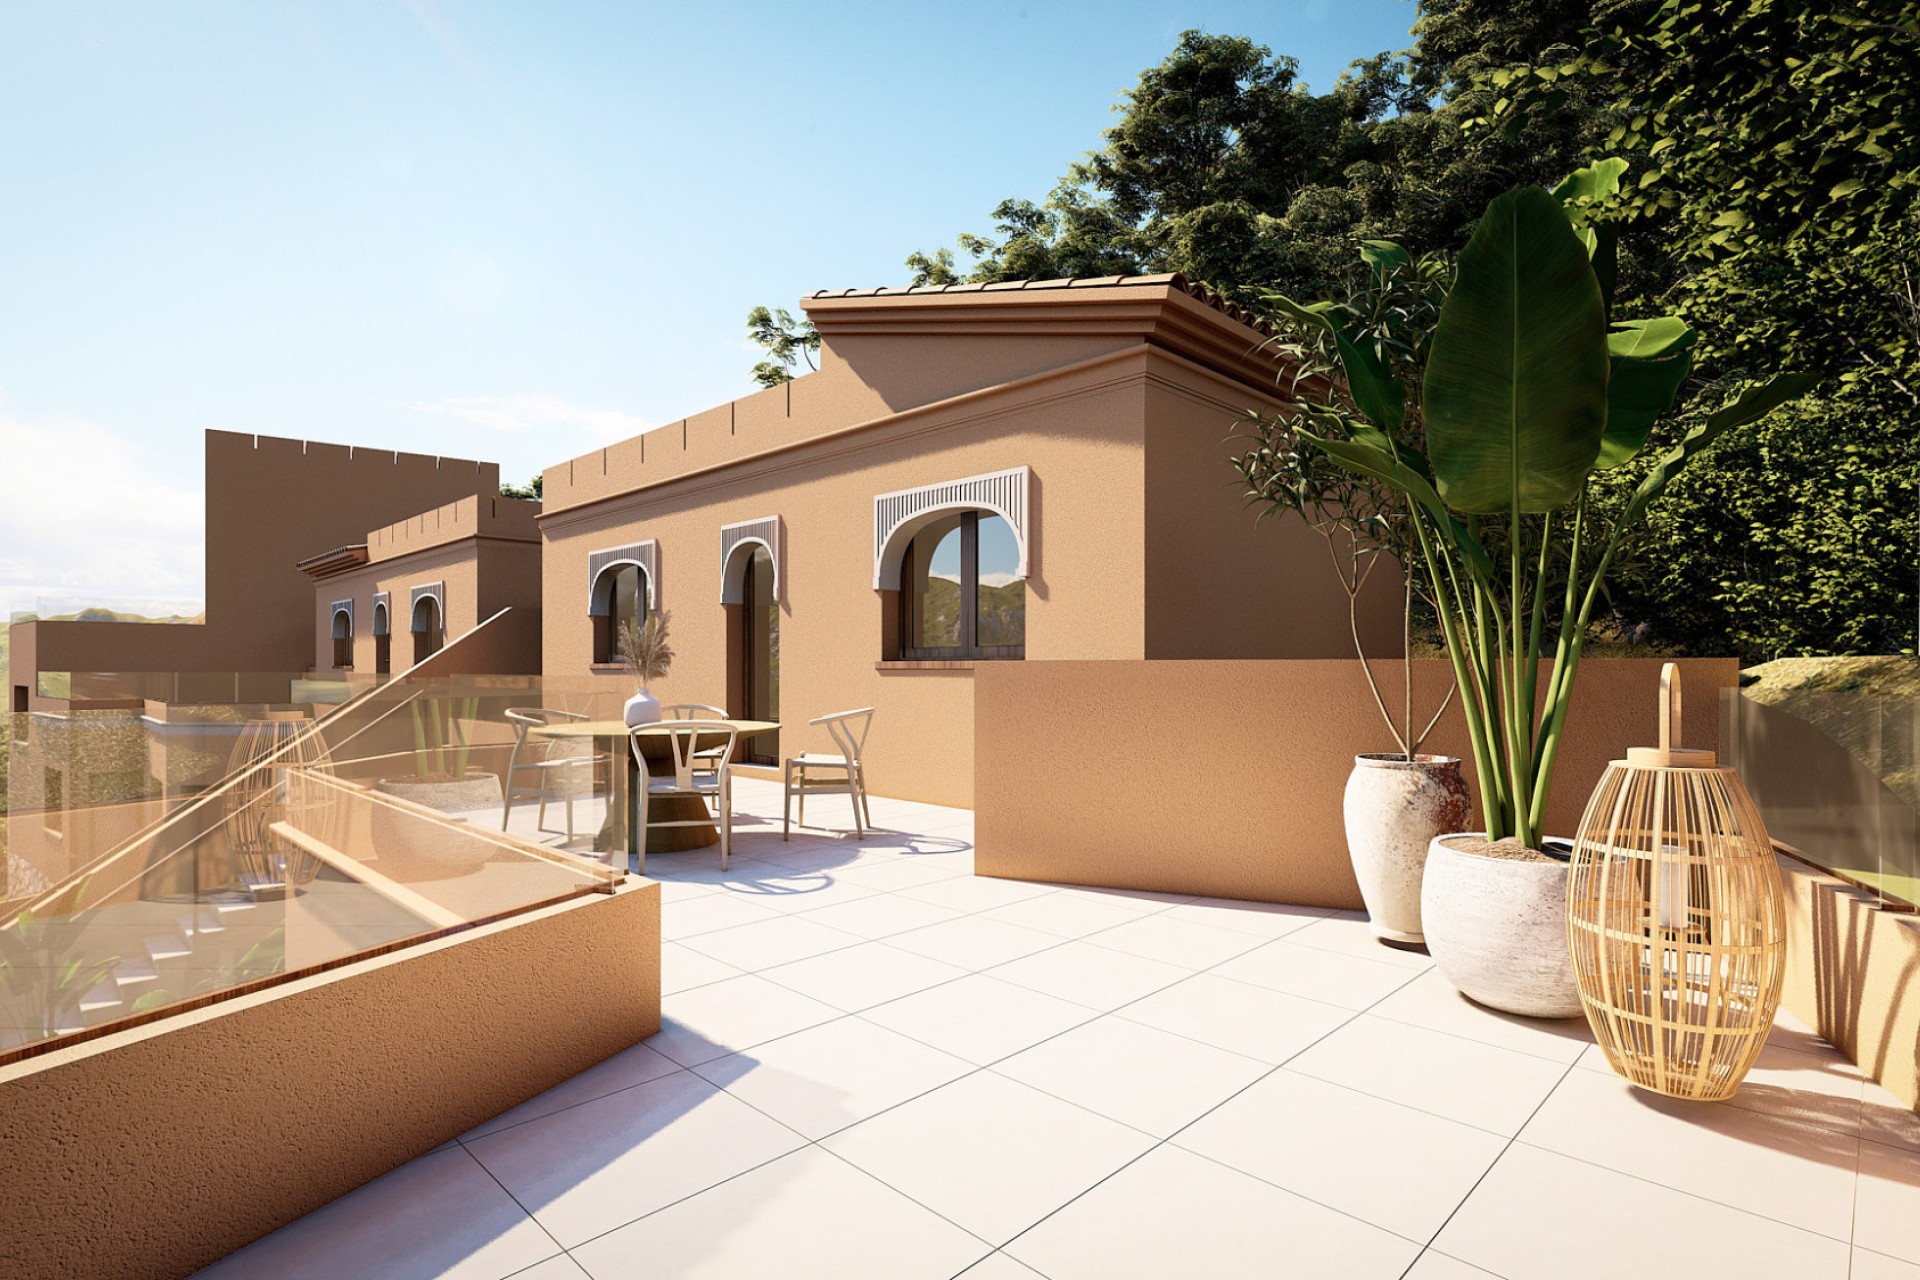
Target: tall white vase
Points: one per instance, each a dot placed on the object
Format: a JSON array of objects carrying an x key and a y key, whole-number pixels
[{"x": 1394, "y": 808}]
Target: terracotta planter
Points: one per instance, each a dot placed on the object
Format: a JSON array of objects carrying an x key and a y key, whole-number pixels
[
  {"x": 1497, "y": 930},
  {"x": 415, "y": 847},
  {"x": 1394, "y": 809}
]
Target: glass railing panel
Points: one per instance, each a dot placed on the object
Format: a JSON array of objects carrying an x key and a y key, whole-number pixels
[
  {"x": 197, "y": 847},
  {"x": 1833, "y": 773}
]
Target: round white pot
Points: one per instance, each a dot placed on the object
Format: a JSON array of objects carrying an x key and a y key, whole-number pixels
[
  {"x": 1394, "y": 809},
  {"x": 642, "y": 708},
  {"x": 412, "y": 847},
  {"x": 1497, "y": 930}
]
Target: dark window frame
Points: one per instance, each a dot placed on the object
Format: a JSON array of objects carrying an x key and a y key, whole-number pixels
[
  {"x": 969, "y": 650},
  {"x": 762, "y": 749},
  {"x": 606, "y": 623}
]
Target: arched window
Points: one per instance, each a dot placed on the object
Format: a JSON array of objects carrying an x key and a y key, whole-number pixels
[
  {"x": 343, "y": 639},
  {"x": 751, "y": 599},
  {"x": 382, "y": 641},
  {"x": 429, "y": 629},
  {"x": 961, "y": 590},
  {"x": 619, "y": 597}
]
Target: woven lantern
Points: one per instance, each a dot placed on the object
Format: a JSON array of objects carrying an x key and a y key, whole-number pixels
[
  {"x": 1676, "y": 918},
  {"x": 259, "y": 795}
]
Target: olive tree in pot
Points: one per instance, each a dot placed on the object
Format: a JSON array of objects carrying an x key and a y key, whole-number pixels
[
  {"x": 1396, "y": 801},
  {"x": 1530, "y": 390}
]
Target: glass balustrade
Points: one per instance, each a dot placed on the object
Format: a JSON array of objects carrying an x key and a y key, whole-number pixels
[
  {"x": 173, "y": 839},
  {"x": 1834, "y": 775}
]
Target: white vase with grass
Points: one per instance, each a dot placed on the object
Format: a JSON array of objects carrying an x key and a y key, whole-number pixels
[{"x": 644, "y": 648}]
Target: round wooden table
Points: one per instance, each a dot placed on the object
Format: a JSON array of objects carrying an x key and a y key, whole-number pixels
[{"x": 658, "y": 753}]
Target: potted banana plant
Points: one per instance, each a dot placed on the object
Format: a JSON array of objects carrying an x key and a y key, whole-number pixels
[
  {"x": 442, "y": 779},
  {"x": 1396, "y": 801},
  {"x": 1531, "y": 389}
]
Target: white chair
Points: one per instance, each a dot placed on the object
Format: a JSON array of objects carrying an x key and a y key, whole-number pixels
[
  {"x": 709, "y": 760},
  {"x": 846, "y": 775},
  {"x": 683, "y": 741},
  {"x": 548, "y": 759}
]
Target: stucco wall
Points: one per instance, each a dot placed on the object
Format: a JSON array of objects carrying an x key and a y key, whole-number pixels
[
  {"x": 1852, "y": 970},
  {"x": 1079, "y": 432},
  {"x": 155, "y": 1151},
  {"x": 457, "y": 564},
  {"x": 1221, "y": 584},
  {"x": 1226, "y": 778},
  {"x": 270, "y": 503}
]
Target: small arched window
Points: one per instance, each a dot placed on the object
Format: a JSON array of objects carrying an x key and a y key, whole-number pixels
[
  {"x": 961, "y": 591},
  {"x": 382, "y": 641},
  {"x": 429, "y": 629},
  {"x": 619, "y": 598},
  {"x": 343, "y": 639}
]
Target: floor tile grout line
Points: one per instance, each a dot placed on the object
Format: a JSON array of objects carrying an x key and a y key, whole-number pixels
[
  {"x": 1679, "y": 1191},
  {"x": 504, "y": 1190},
  {"x": 764, "y": 973},
  {"x": 806, "y": 1144},
  {"x": 1168, "y": 1140},
  {"x": 1492, "y": 1164},
  {"x": 1456, "y": 1035}
]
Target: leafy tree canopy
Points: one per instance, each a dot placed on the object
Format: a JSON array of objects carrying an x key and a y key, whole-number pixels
[
  {"x": 1225, "y": 167},
  {"x": 787, "y": 342}
]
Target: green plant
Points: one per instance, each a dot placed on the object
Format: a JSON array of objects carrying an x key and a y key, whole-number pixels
[
  {"x": 43, "y": 975},
  {"x": 645, "y": 650},
  {"x": 1386, "y": 319},
  {"x": 440, "y": 746},
  {"x": 1529, "y": 390}
]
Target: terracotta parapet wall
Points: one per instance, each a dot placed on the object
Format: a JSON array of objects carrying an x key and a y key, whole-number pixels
[
  {"x": 480, "y": 516},
  {"x": 153, "y": 1152},
  {"x": 1853, "y": 970},
  {"x": 1226, "y": 778}
]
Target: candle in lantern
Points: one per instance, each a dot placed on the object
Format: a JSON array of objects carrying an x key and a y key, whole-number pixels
[{"x": 1670, "y": 887}]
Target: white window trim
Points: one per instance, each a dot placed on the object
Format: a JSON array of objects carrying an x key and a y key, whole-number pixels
[
  {"x": 897, "y": 516},
  {"x": 764, "y": 532},
  {"x": 643, "y": 555}
]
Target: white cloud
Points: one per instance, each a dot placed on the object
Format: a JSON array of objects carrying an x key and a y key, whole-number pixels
[
  {"x": 84, "y": 519},
  {"x": 998, "y": 579},
  {"x": 544, "y": 414}
]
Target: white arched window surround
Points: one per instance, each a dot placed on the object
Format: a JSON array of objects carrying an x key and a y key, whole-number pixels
[
  {"x": 737, "y": 542},
  {"x": 342, "y": 619},
  {"x": 899, "y": 515},
  {"x": 381, "y": 623},
  {"x": 436, "y": 592},
  {"x": 602, "y": 565}
]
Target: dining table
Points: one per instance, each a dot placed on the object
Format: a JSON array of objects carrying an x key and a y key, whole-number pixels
[{"x": 657, "y": 750}]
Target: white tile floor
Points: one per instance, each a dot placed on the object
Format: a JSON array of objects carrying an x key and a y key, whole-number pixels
[{"x": 876, "y": 1064}]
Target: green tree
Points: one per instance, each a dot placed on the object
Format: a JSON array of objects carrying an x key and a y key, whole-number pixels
[
  {"x": 1224, "y": 167},
  {"x": 1777, "y": 156},
  {"x": 527, "y": 491},
  {"x": 787, "y": 342}
]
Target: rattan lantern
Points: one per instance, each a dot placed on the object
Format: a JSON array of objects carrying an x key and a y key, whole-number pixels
[
  {"x": 260, "y": 793},
  {"x": 1676, "y": 917}
]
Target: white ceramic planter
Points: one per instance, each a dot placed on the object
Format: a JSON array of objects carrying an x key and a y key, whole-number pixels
[
  {"x": 414, "y": 847},
  {"x": 1497, "y": 930},
  {"x": 1394, "y": 809},
  {"x": 642, "y": 708}
]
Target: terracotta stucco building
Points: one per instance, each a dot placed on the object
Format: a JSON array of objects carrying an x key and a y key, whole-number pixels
[{"x": 974, "y": 474}]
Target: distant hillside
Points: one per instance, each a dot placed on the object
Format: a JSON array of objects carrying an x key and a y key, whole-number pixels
[{"x": 1002, "y": 611}]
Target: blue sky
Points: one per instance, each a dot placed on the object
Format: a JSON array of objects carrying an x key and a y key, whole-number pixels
[{"x": 505, "y": 231}]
